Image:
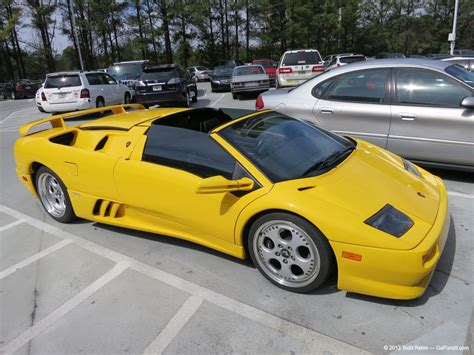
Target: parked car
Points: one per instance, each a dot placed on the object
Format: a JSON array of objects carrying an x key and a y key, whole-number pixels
[
  {"x": 19, "y": 89},
  {"x": 296, "y": 67},
  {"x": 464, "y": 52},
  {"x": 438, "y": 55},
  {"x": 39, "y": 96},
  {"x": 220, "y": 78},
  {"x": 167, "y": 84},
  {"x": 200, "y": 73},
  {"x": 426, "y": 115},
  {"x": 128, "y": 72},
  {"x": 341, "y": 60},
  {"x": 80, "y": 90},
  {"x": 386, "y": 55},
  {"x": 301, "y": 202},
  {"x": 466, "y": 62},
  {"x": 328, "y": 59},
  {"x": 248, "y": 79},
  {"x": 270, "y": 68}
]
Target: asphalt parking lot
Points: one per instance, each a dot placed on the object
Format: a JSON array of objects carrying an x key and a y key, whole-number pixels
[{"x": 92, "y": 288}]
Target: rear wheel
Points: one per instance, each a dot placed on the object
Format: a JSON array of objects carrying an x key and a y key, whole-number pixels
[
  {"x": 53, "y": 195},
  {"x": 187, "y": 103},
  {"x": 195, "y": 97},
  {"x": 290, "y": 252},
  {"x": 98, "y": 104},
  {"x": 235, "y": 96}
]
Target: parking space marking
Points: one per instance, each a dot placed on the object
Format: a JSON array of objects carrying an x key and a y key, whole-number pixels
[
  {"x": 460, "y": 194},
  {"x": 13, "y": 114},
  {"x": 312, "y": 339},
  {"x": 174, "y": 326},
  {"x": 33, "y": 258},
  {"x": 13, "y": 224},
  {"x": 62, "y": 310},
  {"x": 219, "y": 99}
]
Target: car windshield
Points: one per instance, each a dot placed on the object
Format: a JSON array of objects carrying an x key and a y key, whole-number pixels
[
  {"x": 352, "y": 59},
  {"x": 249, "y": 70},
  {"x": 125, "y": 69},
  {"x": 301, "y": 58},
  {"x": 159, "y": 74},
  {"x": 284, "y": 148},
  {"x": 62, "y": 81},
  {"x": 223, "y": 71},
  {"x": 462, "y": 74}
]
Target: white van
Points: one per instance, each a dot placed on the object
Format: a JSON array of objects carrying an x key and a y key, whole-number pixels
[{"x": 298, "y": 66}]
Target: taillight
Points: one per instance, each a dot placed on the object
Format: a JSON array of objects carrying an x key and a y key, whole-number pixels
[
  {"x": 85, "y": 94},
  {"x": 259, "y": 103},
  {"x": 338, "y": 65},
  {"x": 18, "y": 88},
  {"x": 43, "y": 97},
  {"x": 235, "y": 85},
  {"x": 285, "y": 70},
  {"x": 318, "y": 68}
]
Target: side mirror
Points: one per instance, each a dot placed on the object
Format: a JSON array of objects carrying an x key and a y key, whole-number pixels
[
  {"x": 468, "y": 102},
  {"x": 219, "y": 184}
]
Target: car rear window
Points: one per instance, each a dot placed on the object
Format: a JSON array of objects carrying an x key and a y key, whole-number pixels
[
  {"x": 159, "y": 74},
  {"x": 265, "y": 64},
  {"x": 249, "y": 70},
  {"x": 301, "y": 58},
  {"x": 352, "y": 59},
  {"x": 62, "y": 81}
]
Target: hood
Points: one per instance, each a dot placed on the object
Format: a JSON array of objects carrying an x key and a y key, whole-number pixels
[{"x": 361, "y": 186}]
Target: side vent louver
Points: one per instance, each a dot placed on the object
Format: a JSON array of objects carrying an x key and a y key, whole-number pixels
[{"x": 104, "y": 208}]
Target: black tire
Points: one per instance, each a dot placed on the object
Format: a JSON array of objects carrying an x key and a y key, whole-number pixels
[
  {"x": 44, "y": 173},
  {"x": 277, "y": 86},
  {"x": 235, "y": 96},
  {"x": 126, "y": 98},
  {"x": 195, "y": 97},
  {"x": 187, "y": 102},
  {"x": 299, "y": 229},
  {"x": 100, "y": 102},
  {"x": 41, "y": 109},
  {"x": 13, "y": 96},
  {"x": 212, "y": 89}
]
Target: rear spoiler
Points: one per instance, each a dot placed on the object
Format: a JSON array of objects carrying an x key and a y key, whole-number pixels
[{"x": 58, "y": 121}]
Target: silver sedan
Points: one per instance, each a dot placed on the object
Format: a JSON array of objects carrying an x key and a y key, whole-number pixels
[
  {"x": 249, "y": 79},
  {"x": 420, "y": 109}
]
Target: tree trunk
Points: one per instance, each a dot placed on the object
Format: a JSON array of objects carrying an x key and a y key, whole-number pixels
[
  {"x": 140, "y": 29},
  {"x": 152, "y": 30},
  {"x": 247, "y": 31},
  {"x": 166, "y": 28},
  {"x": 236, "y": 14}
]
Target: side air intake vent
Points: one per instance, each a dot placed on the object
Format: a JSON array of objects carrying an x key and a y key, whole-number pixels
[
  {"x": 104, "y": 208},
  {"x": 102, "y": 143}
]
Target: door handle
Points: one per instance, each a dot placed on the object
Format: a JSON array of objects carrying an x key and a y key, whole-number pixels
[
  {"x": 407, "y": 116},
  {"x": 326, "y": 111}
]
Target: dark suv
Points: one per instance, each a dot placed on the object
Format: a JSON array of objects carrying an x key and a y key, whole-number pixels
[{"x": 168, "y": 84}]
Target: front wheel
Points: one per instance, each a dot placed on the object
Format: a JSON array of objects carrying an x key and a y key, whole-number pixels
[
  {"x": 195, "y": 97},
  {"x": 290, "y": 252},
  {"x": 53, "y": 196},
  {"x": 126, "y": 98}
]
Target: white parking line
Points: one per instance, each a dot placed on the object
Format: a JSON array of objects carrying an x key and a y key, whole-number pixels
[
  {"x": 33, "y": 258},
  {"x": 174, "y": 326},
  {"x": 460, "y": 194},
  {"x": 13, "y": 114},
  {"x": 61, "y": 311},
  {"x": 13, "y": 224},
  {"x": 313, "y": 340},
  {"x": 219, "y": 99}
]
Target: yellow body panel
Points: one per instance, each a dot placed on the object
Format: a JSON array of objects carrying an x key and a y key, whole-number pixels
[{"x": 101, "y": 164}]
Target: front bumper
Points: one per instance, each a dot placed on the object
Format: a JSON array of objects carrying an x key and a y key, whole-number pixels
[{"x": 396, "y": 274}]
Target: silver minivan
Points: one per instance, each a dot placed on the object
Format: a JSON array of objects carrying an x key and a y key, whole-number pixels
[{"x": 420, "y": 109}]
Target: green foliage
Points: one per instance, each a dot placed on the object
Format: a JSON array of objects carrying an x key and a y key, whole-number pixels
[{"x": 203, "y": 31}]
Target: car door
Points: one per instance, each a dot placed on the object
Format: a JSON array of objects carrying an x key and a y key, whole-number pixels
[
  {"x": 428, "y": 123},
  {"x": 161, "y": 179},
  {"x": 355, "y": 104}
]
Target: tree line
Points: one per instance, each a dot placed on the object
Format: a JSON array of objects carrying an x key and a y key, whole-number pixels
[{"x": 200, "y": 32}]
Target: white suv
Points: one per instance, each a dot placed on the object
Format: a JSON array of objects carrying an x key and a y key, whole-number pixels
[
  {"x": 298, "y": 66},
  {"x": 79, "y": 90}
]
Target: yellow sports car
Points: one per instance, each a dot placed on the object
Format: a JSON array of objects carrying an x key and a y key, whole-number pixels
[{"x": 301, "y": 201}]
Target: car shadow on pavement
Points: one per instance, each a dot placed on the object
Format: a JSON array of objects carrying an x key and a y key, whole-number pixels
[
  {"x": 181, "y": 243},
  {"x": 455, "y": 175},
  {"x": 201, "y": 92},
  {"x": 329, "y": 287},
  {"x": 437, "y": 283}
]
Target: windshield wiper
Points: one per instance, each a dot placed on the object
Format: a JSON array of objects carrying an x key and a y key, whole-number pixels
[{"x": 330, "y": 160}]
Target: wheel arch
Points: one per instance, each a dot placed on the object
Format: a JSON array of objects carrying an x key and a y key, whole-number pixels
[{"x": 242, "y": 235}]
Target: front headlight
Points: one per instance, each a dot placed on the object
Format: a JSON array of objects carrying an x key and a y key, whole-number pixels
[
  {"x": 411, "y": 168},
  {"x": 216, "y": 81},
  {"x": 391, "y": 221}
]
